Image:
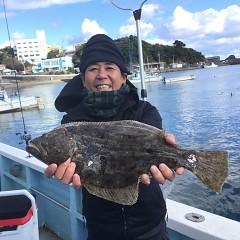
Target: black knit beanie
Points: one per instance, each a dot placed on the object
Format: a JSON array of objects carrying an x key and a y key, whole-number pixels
[{"x": 101, "y": 48}]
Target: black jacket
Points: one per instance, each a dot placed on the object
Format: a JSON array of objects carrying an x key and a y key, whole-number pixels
[{"x": 107, "y": 220}]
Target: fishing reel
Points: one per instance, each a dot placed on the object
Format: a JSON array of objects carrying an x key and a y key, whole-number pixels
[{"x": 26, "y": 137}]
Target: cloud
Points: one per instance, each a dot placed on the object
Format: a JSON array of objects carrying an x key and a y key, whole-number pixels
[
  {"x": 26, "y": 4},
  {"x": 149, "y": 12},
  {"x": 127, "y": 30},
  {"x": 18, "y": 35},
  {"x": 90, "y": 28},
  {"x": 211, "y": 31},
  {"x": 159, "y": 41}
]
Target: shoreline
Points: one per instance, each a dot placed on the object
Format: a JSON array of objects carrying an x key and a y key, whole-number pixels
[
  {"x": 29, "y": 83},
  {"x": 29, "y": 80}
]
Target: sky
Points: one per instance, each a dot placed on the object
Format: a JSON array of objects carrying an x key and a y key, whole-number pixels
[{"x": 208, "y": 26}]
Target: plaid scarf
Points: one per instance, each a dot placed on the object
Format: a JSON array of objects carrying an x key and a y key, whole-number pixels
[{"x": 104, "y": 104}]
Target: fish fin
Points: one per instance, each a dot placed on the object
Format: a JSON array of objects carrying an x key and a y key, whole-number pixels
[
  {"x": 212, "y": 168},
  {"x": 124, "y": 196}
]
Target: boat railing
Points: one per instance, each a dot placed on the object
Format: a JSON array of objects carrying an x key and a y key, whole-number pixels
[{"x": 59, "y": 206}]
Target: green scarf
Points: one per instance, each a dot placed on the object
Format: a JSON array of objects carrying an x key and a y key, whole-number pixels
[{"x": 104, "y": 104}]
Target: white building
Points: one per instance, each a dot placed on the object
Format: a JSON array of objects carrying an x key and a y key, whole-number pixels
[{"x": 31, "y": 50}]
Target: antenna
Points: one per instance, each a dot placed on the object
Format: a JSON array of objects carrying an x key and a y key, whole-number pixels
[{"x": 137, "y": 17}]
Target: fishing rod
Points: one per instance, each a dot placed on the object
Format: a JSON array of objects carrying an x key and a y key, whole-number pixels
[
  {"x": 137, "y": 17},
  {"x": 25, "y": 136}
]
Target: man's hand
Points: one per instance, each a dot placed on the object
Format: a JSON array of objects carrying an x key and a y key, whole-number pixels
[
  {"x": 64, "y": 172},
  {"x": 162, "y": 172}
]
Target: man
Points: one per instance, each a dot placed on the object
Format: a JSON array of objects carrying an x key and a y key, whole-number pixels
[{"x": 102, "y": 92}]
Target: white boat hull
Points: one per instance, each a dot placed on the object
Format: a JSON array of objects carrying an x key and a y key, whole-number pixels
[
  {"x": 147, "y": 80},
  {"x": 136, "y": 78},
  {"x": 213, "y": 65},
  {"x": 177, "y": 79}
]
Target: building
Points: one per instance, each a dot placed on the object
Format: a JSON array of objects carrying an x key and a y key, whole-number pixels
[
  {"x": 53, "y": 65},
  {"x": 150, "y": 67},
  {"x": 176, "y": 65},
  {"x": 54, "y": 48},
  {"x": 31, "y": 50}
]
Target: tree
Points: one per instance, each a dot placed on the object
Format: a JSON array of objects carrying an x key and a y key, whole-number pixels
[
  {"x": 54, "y": 54},
  {"x": 179, "y": 44},
  {"x": 13, "y": 64},
  {"x": 77, "y": 55},
  {"x": 6, "y": 52},
  {"x": 231, "y": 57},
  {"x": 129, "y": 45}
]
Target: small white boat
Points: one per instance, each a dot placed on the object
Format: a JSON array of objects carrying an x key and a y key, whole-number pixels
[
  {"x": 15, "y": 104},
  {"x": 177, "y": 79},
  {"x": 211, "y": 66},
  {"x": 148, "y": 77}
]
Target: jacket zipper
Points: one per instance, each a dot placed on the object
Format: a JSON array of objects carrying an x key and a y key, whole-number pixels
[{"x": 124, "y": 223}]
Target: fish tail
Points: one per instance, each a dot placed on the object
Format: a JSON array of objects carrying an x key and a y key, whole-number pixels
[{"x": 211, "y": 168}]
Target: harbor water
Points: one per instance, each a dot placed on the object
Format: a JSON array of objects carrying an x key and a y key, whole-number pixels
[{"x": 202, "y": 114}]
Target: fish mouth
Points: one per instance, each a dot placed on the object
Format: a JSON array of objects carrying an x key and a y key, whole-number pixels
[{"x": 34, "y": 150}]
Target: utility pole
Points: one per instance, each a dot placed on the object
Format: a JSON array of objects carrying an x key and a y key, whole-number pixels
[
  {"x": 159, "y": 61},
  {"x": 147, "y": 63},
  {"x": 24, "y": 69}
]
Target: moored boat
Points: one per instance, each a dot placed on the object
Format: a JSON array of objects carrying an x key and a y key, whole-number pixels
[
  {"x": 211, "y": 66},
  {"x": 148, "y": 77},
  {"x": 181, "y": 78},
  {"x": 14, "y": 103}
]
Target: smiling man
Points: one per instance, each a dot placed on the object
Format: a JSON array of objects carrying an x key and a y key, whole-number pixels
[
  {"x": 102, "y": 92},
  {"x": 103, "y": 76}
]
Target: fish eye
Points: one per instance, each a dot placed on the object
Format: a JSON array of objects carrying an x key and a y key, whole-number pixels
[{"x": 44, "y": 144}]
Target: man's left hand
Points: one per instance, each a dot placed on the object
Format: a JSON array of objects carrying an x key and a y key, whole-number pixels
[{"x": 163, "y": 172}]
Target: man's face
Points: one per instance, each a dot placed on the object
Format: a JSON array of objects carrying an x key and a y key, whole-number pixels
[{"x": 103, "y": 76}]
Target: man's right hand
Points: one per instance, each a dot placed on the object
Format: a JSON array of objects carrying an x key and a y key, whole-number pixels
[{"x": 64, "y": 172}]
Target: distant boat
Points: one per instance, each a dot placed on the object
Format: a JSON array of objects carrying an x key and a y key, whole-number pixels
[
  {"x": 181, "y": 78},
  {"x": 12, "y": 103},
  {"x": 148, "y": 77},
  {"x": 211, "y": 66}
]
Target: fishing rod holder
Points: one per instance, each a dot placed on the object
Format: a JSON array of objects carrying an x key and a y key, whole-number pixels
[
  {"x": 137, "y": 17},
  {"x": 26, "y": 137},
  {"x": 137, "y": 14}
]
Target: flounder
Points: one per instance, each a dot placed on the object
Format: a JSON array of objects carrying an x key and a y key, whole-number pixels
[{"x": 111, "y": 156}]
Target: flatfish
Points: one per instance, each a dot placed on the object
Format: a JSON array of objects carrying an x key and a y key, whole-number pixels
[{"x": 111, "y": 156}]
